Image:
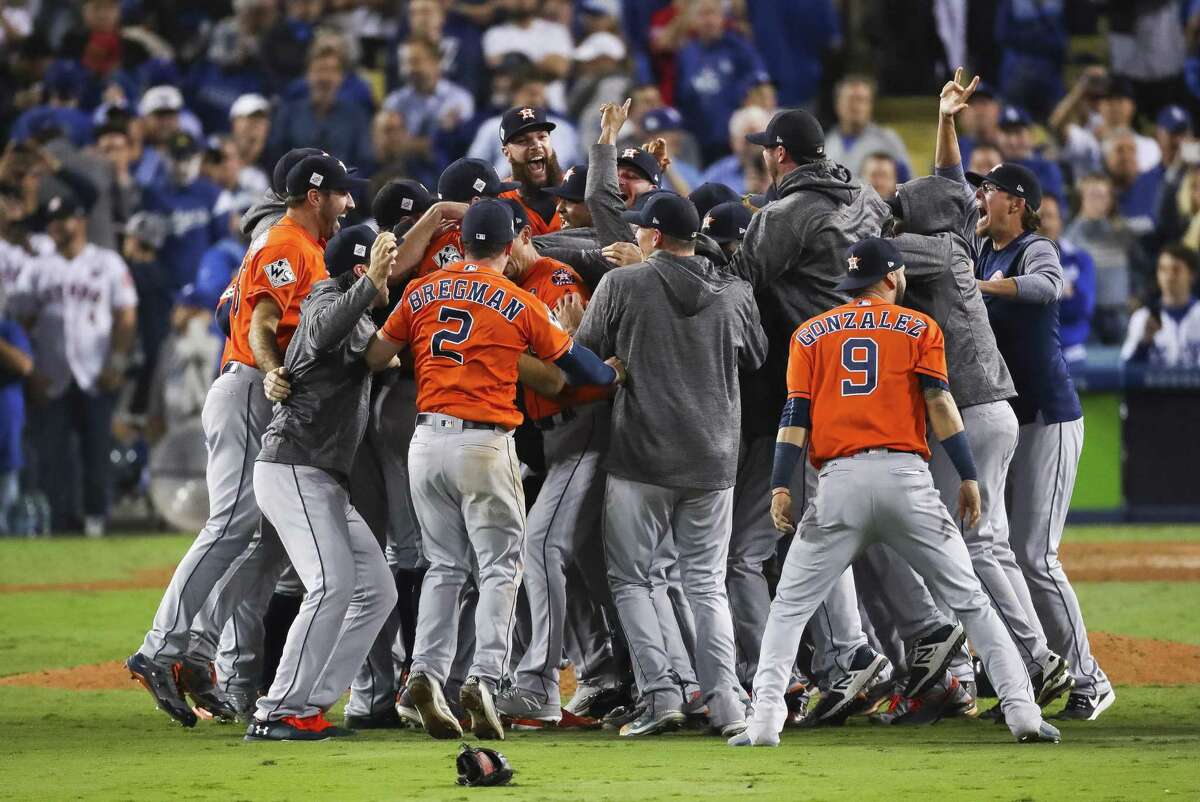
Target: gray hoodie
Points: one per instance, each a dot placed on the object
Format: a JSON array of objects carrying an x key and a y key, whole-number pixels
[
  {"x": 794, "y": 255},
  {"x": 262, "y": 215},
  {"x": 323, "y": 421},
  {"x": 684, "y": 329}
]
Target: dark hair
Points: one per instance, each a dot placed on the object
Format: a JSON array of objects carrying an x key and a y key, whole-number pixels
[
  {"x": 1030, "y": 219},
  {"x": 675, "y": 243},
  {"x": 1177, "y": 250},
  {"x": 484, "y": 250},
  {"x": 879, "y": 154}
]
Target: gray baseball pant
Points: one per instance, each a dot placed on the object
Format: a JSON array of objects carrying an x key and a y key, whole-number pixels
[
  {"x": 349, "y": 590},
  {"x": 1043, "y": 478},
  {"x": 992, "y": 432},
  {"x": 587, "y": 635},
  {"x": 674, "y": 614},
  {"x": 235, "y": 413},
  {"x": 567, "y": 512},
  {"x": 751, "y": 545},
  {"x": 466, "y": 488},
  {"x": 882, "y": 497},
  {"x": 637, "y": 519}
]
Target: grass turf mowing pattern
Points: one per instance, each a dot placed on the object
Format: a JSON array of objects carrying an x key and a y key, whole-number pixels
[
  {"x": 78, "y": 559},
  {"x": 115, "y": 745}
]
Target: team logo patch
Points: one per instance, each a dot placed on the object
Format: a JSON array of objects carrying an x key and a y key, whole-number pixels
[
  {"x": 280, "y": 273},
  {"x": 316, "y": 179},
  {"x": 567, "y": 175},
  {"x": 447, "y": 255},
  {"x": 630, "y": 153},
  {"x": 406, "y": 204},
  {"x": 360, "y": 250},
  {"x": 707, "y": 224},
  {"x": 852, "y": 263},
  {"x": 999, "y": 274},
  {"x": 561, "y": 277},
  {"x": 528, "y": 114},
  {"x": 479, "y": 184}
]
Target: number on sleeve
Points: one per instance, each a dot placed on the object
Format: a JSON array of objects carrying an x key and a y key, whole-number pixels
[
  {"x": 448, "y": 314},
  {"x": 860, "y": 356}
]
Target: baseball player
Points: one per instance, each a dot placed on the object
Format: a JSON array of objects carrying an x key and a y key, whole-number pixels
[
  {"x": 670, "y": 472},
  {"x": 277, "y": 273},
  {"x": 525, "y": 140},
  {"x": 1020, "y": 277},
  {"x": 300, "y": 481},
  {"x": 862, "y": 377},
  {"x": 435, "y": 240},
  {"x": 466, "y": 325},
  {"x": 726, "y": 223},
  {"x": 571, "y": 208}
]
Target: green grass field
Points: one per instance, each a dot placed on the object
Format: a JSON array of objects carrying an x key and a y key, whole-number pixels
[{"x": 64, "y": 744}]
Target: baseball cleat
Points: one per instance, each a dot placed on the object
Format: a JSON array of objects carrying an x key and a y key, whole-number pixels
[
  {"x": 162, "y": 681},
  {"x": 797, "y": 698},
  {"x": 199, "y": 680},
  {"x": 752, "y": 736},
  {"x": 833, "y": 705},
  {"x": 1046, "y": 733},
  {"x": 528, "y": 710},
  {"x": 931, "y": 656},
  {"x": 407, "y": 709},
  {"x": 948, "y": 698},
  {"x": 295, "y": 728},
  {"x": 432, "y": 710},
  {"x": 476, "y": 699},
  {"x": 653, "y": 722},
  {"x": 618, "y": 717},
  {"x": 1086, "y": 707},
  {"x": 597, "y": 699},
  {"x": 387, "y": 719},
  {"x": 731, "y": 730},
  {"x": 1052, "y": 681}
]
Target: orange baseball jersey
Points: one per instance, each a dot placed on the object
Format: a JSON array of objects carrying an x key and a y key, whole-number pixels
[
  {"x": 858, "y": 366},
  {"x": 467, "y": 326},
  {"x": 550, "y": 280},
  {"x": 443, "y": 250},
  {"x": 282, "y": 264},
  {"x": 536, "y": 224}
]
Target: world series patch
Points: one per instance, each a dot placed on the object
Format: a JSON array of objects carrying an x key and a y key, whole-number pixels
[{"x": 280, "y": 273}]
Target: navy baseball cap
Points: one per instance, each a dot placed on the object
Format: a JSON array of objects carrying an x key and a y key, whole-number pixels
[
  {"x": 796, "y": 130},
  {"x": 664, "y": 119},
  {"x": 286, "y": 162},
  {"x": 61, "y": 207},
  {"x": 349, "y": 247},
  {"x": 641, "y": 161},
  {"x": 1014, "y": 117},
  {"x": 517, "y": 121},
  {"x": 469, "y": 178},
  {"x": 488, "y": 221},
  {"x": 573, "y": 185},
  {"x": 1015, "y": 179},
  {"x": 519, "y": 214},
  {"x": 868, "y": 261},
  {"x": 673, "y": 215},
  {"x": 404, "y": 197},
  {"x": 710, "y": 194},
  {"x": 1174, "y": 119},
  {"x": 984, "y": 89},
  {"x": 727, "y": 222},
  {"x": 1118, "y": 87},
  {"x": 322, "y": 172}
]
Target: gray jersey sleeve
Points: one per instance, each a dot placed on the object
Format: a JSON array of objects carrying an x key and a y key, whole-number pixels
[
  {"x": 333, "y": 316},
  {"x": 753, "y": 352},
  {"x": 603, "y": 196},
  {"x": 598, "y": 324},
  {"x": 589, "y": 263},
  {"x": 1041, "y": 279},
  {"x": 768, "y": 249}
]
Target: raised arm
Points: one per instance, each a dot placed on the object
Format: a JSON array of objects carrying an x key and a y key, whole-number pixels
[
  {"x": 953, "y": 99},
  {"x": 336, "y": 318},
  {"x": 602, "y": 193}
]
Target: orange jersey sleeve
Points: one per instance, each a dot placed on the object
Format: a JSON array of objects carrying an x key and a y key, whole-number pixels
[
  {"x": 467, "y": 327},
  {"x": 551, "y": 280},
  {"x": 444, "y": 249},
  {"x": 282, "y": 267},
  {"x": 858, "y": 365},
  {"x": 536, "y": 224}
]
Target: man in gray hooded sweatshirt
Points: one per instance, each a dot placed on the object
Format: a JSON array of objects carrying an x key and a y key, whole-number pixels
[{"x": 683, "y": 330}]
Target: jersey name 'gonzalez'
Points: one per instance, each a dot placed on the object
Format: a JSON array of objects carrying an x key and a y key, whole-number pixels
[
  {"x": 815, "y": 329},
  {"x": 460, "y": 289}
]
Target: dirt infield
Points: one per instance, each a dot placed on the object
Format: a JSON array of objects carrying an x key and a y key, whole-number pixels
[{"x": 141, "y": 579}]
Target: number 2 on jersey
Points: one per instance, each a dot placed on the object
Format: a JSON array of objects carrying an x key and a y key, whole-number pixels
[
  {"x": 860, "y": 357},
  {"x": 458, "y": 336}
]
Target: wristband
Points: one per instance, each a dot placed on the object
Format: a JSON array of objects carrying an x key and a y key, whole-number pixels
[
  {"x": 786, "y": 457},
  {"x": 959, "y": 450}
]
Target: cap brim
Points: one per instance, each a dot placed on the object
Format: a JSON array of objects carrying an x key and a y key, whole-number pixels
[
  {"x": 565, "y": 194},
  {"x": 632, "y": 216},
  {"x": 348, "y": 184},
  {"x": 760, "y": 138},
  {"x": 540, "y": 126},
  {"x": 508, "y": 186},
  {"x": 975, "y": 179}
]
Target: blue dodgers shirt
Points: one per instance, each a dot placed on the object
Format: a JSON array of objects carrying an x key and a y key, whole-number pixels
[
  {"x": 192, "y": 224},
  {"x": 12, "y": 401},
  {"x": 1028, "y": 337}
]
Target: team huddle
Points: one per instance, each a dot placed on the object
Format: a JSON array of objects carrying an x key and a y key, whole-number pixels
[{"x": 870, "y": 390}]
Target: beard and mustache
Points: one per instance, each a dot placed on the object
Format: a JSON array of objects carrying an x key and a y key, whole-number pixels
[{"x": 551, "y": 176}]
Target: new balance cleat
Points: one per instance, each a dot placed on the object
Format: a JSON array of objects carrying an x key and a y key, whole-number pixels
[
  {"x": 931, "y": 657},
  {"x": 432, "y": 710},
  {"x": 162, "y": 682}
]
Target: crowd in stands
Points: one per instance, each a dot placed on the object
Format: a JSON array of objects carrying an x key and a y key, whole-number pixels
[{"x": 147, "y": 129}]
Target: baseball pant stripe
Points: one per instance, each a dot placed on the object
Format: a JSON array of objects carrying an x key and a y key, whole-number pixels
[
  {"x": 518, "y": 490},
  {"x": 321, "y": 563},
  {"x": 1054, "y": 501},
  {"x": 232, "y": 514}
]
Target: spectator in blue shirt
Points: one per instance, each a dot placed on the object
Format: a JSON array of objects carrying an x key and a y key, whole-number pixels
[
  {"x": 1078, "y": 299},
  {"x": 1016, "y": 144},
  {"x": 793, "y": 37},
  {"x": 1173, "y": 127},
  {"x": 734, "y": 169},
  {"x": 16, "y": 363},
  {"x": 322, "y": 119},
  {"x": 711, "y": 70},
  {"x": 63, "y": 85},
  {"x": 188, "y": 202},
  {"x": 1137, "y": 192},
  {"x": 1033, "y": 37},
  {"x": 458, "y": 42},
  {"x": 667, "y": 123},
  {"x": 285, "y": 45},
  {"x": 233, "y": 66}
]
